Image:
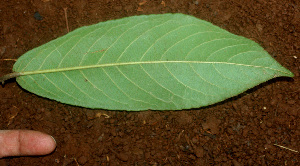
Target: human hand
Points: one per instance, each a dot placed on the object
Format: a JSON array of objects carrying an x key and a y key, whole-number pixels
[{"x": 25, "y": 143}]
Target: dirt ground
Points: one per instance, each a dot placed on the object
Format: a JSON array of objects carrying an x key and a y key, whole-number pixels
[{"x": 244, "y": 130}]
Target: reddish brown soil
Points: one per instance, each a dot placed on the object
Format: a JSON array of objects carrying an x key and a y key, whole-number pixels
[{"x": 239, "y": 131}]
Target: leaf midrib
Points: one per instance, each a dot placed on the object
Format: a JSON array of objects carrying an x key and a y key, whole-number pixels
[{"x": 23, "y": 73}]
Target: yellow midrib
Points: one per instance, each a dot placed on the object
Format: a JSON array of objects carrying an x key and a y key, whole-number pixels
[{"x": 134, "y": 63}]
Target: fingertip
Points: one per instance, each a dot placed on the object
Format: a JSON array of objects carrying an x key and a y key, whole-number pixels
[
  {"x": 25, "y": 143},
  {"x": 50, "y": 144},
  {"x": 36, "y": 143}
]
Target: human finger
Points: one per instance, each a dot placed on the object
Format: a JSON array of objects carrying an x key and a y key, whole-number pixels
[{"x": 25, "y": 143}]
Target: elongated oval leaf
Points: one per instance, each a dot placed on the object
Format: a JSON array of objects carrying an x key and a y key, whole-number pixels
[{"x": 158, "y": 62}]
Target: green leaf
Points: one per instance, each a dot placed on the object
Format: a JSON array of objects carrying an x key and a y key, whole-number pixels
[{"x": 157, "y": 62}]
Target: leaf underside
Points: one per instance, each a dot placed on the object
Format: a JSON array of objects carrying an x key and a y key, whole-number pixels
[{"x": 157, "y": 62}]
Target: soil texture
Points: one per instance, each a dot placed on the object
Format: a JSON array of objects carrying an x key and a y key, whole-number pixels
[{"x": 244, "y": 130}]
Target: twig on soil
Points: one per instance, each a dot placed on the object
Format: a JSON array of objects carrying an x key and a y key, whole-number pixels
[
  {"x": 13, "y": 116},
  {"x": 66, "y": 17},
  {"x": 76, "y": 161},
  {"x": 99, "y": 114},
  {"x": 8, "y": 59},
  {"x": 286, "y": 148}
]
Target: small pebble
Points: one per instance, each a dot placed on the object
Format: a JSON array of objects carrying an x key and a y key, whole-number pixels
[
  {"x": 293, "y": 112},
  {"x": 291, "y": 102},
  {"x": 90, "y": 114},
  {"x": 199, "y": 152},
  {"x": 273, "y": 101},
  {"x": 269, "y": 124},
  {"x": 192, "y": 157},
  {"x": 236, "y": 163},
  {"x": 122, "y": 156},
  {"x": 37, "y": 16},
  {"x": 82, "y": 160},
  {"x": 194, "y": 140}
]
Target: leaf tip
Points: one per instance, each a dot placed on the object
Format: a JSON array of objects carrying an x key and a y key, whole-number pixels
[{"x": 289, "y": 74}]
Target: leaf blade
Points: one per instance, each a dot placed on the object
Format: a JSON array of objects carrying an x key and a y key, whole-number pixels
[{"x": 158, "y": 62}]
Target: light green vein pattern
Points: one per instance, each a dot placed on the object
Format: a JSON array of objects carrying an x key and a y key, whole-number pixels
[{"x": 157, "y": 62}]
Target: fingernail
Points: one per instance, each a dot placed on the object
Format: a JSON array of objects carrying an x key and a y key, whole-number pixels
[{"x": 53, "y": 139}]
